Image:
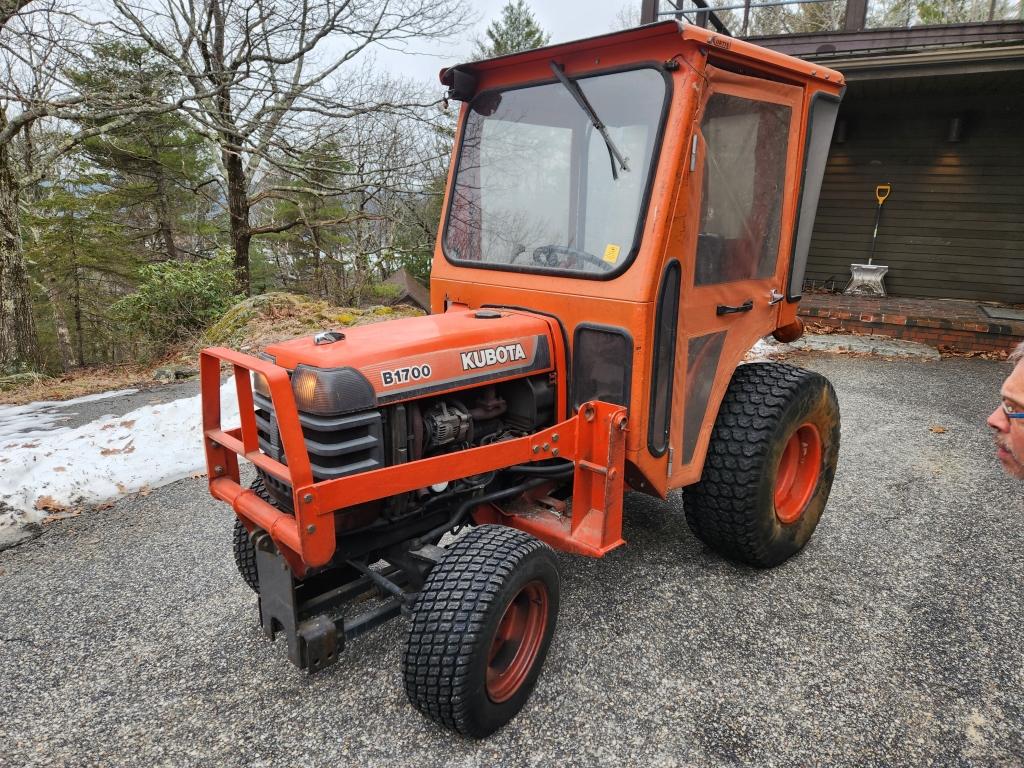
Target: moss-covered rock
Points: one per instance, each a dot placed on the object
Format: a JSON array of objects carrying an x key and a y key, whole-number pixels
[
  {"x": 19, "y": 380},
  {"x": 260, "y": 320}
]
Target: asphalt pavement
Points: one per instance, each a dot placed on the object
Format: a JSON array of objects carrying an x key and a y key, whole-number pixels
[{"x": 127, "y": 638}]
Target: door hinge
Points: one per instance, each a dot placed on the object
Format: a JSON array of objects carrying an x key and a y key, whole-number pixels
[
  {"x": 775, "y": 297},
  {"x": 693, "y": 153},
  {"x": 671, "y": 458}
]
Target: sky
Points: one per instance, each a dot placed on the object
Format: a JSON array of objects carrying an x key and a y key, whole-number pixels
[{"x": 562, "y": 19}]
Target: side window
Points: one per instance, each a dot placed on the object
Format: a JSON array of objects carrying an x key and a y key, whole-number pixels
[{"x": 746, "y": 143}]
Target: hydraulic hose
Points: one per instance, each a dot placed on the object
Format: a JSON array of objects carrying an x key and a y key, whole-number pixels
[
  {"x": 545, "y": 470},
  {"x": 463, "y": 509}
]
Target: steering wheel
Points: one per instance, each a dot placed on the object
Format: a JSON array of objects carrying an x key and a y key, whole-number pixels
[{"x": 548, "y": 255}]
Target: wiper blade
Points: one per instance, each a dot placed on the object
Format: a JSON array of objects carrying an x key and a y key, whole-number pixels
[{"x": 573, "y": 87}]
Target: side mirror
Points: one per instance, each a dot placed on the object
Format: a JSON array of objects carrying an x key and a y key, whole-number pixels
[{"x": 461, "y": 84}]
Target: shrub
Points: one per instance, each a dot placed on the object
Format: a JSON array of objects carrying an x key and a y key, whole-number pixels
[
  {"x": 177, "y": 300},
  {"x": 384, "y": 291}
]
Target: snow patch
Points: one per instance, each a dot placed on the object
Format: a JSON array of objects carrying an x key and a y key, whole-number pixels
[
  {"x": 53, "y": 470},
  {"x": 765, "y": 350},
  {"x": 25, "y": 421}
]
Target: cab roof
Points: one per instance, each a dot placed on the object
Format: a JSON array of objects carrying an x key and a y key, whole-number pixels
[{"x": 737, "y": 51}]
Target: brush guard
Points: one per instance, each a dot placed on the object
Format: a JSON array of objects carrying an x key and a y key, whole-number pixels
[{"x": 291, "y": 547}]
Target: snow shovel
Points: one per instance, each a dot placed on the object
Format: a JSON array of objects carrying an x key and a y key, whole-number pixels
[{"x": 866, "y": 279}]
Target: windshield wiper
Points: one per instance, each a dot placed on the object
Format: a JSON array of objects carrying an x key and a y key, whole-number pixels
[{"x": 573, "y": 87}]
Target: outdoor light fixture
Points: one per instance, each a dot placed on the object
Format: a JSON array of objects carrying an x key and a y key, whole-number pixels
[{"x": 956, "y": 129}]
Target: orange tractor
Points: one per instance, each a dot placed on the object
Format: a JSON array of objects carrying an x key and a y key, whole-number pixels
[{"x": 625, "y": 217}]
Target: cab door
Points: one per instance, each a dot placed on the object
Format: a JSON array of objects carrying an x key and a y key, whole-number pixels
[{"x": 743, "y": 186}]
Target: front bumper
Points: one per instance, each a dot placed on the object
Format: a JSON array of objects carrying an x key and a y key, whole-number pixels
[{"x": 594, "y": 440}]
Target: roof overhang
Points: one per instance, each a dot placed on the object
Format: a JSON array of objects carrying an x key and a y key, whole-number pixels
[
  {"x": 922, "y": 51},
  {"x": 934, "y": 63}
]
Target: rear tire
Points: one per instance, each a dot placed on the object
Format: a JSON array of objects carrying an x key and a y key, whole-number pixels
[
  {"x": 769, "y": 466},
  {"x": 481, "y": 629}
]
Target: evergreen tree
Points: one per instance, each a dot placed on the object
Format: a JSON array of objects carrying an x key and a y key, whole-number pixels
[
  {"x": 156, "y": 165},
  {"x": 80, "y": 256},
  {"x": 516, "y": 30}
]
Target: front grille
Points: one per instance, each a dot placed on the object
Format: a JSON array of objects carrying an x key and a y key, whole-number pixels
[{"x": 337, "y": 445}]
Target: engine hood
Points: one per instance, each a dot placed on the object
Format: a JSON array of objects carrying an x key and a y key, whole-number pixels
[{"x": 415, "y": 356}]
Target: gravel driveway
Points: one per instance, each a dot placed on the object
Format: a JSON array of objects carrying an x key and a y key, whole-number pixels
[{"x": 126, "y": 638}]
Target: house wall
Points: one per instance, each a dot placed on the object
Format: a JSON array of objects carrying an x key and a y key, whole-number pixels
[{"x": 953, "y": 226}]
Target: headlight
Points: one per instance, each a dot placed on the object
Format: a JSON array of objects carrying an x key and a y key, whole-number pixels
[
  {"x": 260, "y": 385},
  {"x": 331, "y": 392}
]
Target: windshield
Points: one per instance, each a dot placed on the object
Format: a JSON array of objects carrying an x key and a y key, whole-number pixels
[{"x": 534, "y": 189}]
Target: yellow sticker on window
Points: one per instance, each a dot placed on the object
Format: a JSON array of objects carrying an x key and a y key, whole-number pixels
[{"x": 611, "y": 253}]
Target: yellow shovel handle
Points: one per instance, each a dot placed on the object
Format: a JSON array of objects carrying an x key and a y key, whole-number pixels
[{"x": 882, "y": 192}]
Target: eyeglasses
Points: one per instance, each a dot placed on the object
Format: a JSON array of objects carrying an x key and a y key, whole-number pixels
[{"x": 1011, "y": 411}]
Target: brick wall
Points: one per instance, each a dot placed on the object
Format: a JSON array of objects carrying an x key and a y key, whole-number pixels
[{"x": 935, "y": 332}]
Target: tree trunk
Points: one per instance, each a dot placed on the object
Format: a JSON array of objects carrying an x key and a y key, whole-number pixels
[
  {"x": 17, "y": 331},
  {"x": 76, "y": 301},
  {"x": 238, "y": 208},
  {"x": 76, "y": 295},
  {"x": 163, "y": 213},
  {"x": 65, "y": 350}
]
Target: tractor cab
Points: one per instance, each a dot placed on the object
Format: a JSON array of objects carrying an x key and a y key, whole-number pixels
[{"x": 654, "y": 190}]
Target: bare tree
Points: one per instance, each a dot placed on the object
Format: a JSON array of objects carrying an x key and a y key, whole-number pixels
[
  {"x": 39, "y": 41},
  {"x": 348, "y": 202},
  {"x": 257, "y": 75},
  {"x": 9, "y": 9},
  {"x": 627, "y": 17}
]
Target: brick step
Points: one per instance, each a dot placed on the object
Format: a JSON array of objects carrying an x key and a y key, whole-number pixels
[{"x": 953, "y": 324}]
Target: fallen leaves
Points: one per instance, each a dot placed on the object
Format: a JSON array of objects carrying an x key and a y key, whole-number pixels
[
  {"x": 820, "y": 329},
  {"x": 127, "y": 448},
  {"x": 49, "y": 504},
  {"x": 947, "y": 351},
  {"x": 937, "y": 430},
  {"x": 61, "y": 516}
]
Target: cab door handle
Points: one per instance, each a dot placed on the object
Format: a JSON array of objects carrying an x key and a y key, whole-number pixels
[{"x": 727, "y": 309}]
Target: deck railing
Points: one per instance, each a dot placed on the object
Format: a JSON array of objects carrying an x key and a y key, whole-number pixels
[{"x": 770, "y": 18}]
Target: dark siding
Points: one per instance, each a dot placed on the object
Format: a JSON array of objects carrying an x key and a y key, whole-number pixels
[
  {"x": 954, "y": 224},
  {"x": 821, "y": 46}
]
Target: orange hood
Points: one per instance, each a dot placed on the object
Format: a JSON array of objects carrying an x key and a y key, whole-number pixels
[{"x": 416, "y": 356}]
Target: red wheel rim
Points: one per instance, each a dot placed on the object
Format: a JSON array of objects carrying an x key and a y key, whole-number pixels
[
  {"x": 797, "y": 476},
  {"x": 517, "y": 642}
]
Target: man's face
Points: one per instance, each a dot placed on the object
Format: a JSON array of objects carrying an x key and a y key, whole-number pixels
[{"x": 1010, "y": 432}]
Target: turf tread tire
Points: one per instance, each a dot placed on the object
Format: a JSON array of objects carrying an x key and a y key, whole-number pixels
[
  {"x": 731, "y": 508},
  {"x": 462, "y": 600},
  {"x": 244, "y": 551}
]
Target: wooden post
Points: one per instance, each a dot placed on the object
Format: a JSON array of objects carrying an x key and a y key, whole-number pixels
[
  {"x": 856, "y": 15},
  {"x": 648, "y": 11}
]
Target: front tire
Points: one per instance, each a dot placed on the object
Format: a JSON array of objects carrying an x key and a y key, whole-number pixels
[
  {"x": 241, "y": 543},
  {"x": 481, "y": 629},
  {"x": 769, "y": 466}
]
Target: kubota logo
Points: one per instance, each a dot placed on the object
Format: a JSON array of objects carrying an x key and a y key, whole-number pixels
[{"x": 481, "y": 358}]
